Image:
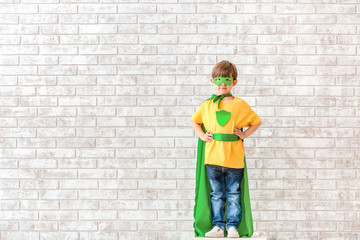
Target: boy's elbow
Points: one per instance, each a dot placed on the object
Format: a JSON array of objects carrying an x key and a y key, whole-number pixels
[{"x": 193, "y": 123}]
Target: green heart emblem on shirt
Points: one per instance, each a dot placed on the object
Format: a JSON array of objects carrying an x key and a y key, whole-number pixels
[{"x": 222, "y": 117}]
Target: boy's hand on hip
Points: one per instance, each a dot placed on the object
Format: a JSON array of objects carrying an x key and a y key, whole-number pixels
[
  {"x": 239, "y": 133},
  {"x": 207, "y": 136}
]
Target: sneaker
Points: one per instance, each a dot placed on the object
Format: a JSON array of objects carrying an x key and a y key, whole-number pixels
[
  {"x": 232, "y": 233},
  {"x": 215, "y": 232}
]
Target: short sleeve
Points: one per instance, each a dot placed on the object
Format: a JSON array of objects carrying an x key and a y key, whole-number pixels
[
  {"x": 198, "y": 115},
  {"x": 252, "y": 118}
]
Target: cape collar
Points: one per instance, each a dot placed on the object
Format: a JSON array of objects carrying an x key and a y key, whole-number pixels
[{"x": 218, "y": 97}]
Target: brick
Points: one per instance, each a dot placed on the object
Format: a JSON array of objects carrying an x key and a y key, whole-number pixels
[
  {"x": 116, "y": 18},
  {"x": 337, "y": 8},
  {"x": 155, "y": 163},
  {"x": 175, "y": 28},
  {"x": 40, "y": 204},
  {"x": 97, "y": 194},
  {"x": 78, "y": 204},
  {"x": 98, "y": 215},
  {"x": 280, "y": 184},
  {"x": 161, "y": 39},
  {"x": 156, "y": 225},
  {"x": 8, "y": 163},
  {"x": 296, "y": 215},
  {"x": 232, "y": 18},
  {"x": 77, "y": 80},
  {"x": 178, "y": 153},
  {"x": 8, "y": 226},
  {"x": 338, "y": 28},
  {"x": 278, "y": 226},
  {"x": 77, "y": 163},
  {"x": 198, "y": 18},
  {"x": 171, "y": 132},
  {"x": 99, "y": 235},
  {"x": 286, "y": 19},
  {"x": 316, "y": 226},
  {"x": 78, "y": 226},
  {"x": 117, "y": 226},
  {"x": 17, "y": 153},
  {"x": 158, "y": 204},
  {"x": 17, "y": 194},
  {"x": 39, "y": 184},
  {"x": 18, "y": 112},
  {"x": 155, "y": 142},
  {"x": 118, "y": 184},
  {"x": 337, "y": 195},
  {"x": 178, "y": 8},
  {"x": 9, "y": 205},
  {"x": 20, "y": 235},
  {"x": 73, "y": 18},
  {"x": 137, "y": 194},
  {"x": 97, "y": 111},
  {"x": 118, "y": 204},
  {"x": 139, "y": 131},
  {"x": 38, "y": 226},
  {"x": 295, "y": 194},
  {"x": 331, "y": 235},
  {"x": 92, "y": 173},
  {"x": 316, "y": 184},
  {"x": 139, "y": 153},
  {"x": 58, "y": 235},
  {"x": 175, "y": 174},
  {"x": 123, "y": 60},
  {"x": 157, "y": 184},
  {"x": 344, "y": 70},
  {"x": 7, "y": 143},
  {"x": 57, "y": 194},
  {"x": 156, "y": 80},
  {"x": 259, "y": 50},
  {"x": 115, "y": 122},
  {"x": 58, "y": 173},
  {"x": 75, "y": 184},
  {"x": 156, "y": 101},
  {"x": 57, "y": 153},
  {"x": 136, "y": 70},
  {"x": 301, "y": 29},
  {"x": 109, "y": 142},
  {"x": 140, "y": 28},
  {"x": 136, "y": 112},
  {"x": 136, "y": 8},
  {"x": 136, "y": 235},
  {"x": 258, "y": 8}
]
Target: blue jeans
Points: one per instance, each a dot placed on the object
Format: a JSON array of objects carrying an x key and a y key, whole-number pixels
[{"x": 225, "y": 185}]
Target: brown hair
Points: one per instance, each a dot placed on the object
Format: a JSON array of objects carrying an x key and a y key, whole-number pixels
[{"x": 224, "y": 69}]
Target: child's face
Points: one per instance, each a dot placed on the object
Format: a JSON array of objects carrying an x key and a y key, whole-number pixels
[{"x": 223, "y": 88}]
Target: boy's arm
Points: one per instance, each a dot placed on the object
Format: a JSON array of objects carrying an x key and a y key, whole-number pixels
[
  {"x": 251, "y": 129},
  {"x": 248, "y": 132},
  {"x": 199, "y": 132}
]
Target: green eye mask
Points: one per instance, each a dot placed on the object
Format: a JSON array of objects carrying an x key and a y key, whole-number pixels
[{"x": 227, "y": 80}]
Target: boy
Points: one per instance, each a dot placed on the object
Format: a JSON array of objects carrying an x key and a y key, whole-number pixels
[{"x": 218, "y": 123}]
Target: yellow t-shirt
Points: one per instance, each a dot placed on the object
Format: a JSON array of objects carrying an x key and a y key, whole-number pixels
[{"x": 221, "y": 153}]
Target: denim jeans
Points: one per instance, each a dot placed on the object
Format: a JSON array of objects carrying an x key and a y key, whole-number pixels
[{"x": 225, "y": 185}]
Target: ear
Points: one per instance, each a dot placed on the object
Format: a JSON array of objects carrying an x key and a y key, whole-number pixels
[
  {"x": 234, "y": 82},
  {"x": 212, "y": 80}
]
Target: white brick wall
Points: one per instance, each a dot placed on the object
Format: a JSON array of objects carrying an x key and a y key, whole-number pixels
[{"x": 96, "y": 99}]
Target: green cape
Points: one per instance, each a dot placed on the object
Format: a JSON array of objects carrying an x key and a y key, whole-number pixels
[{"x": 202, "y": 209}]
